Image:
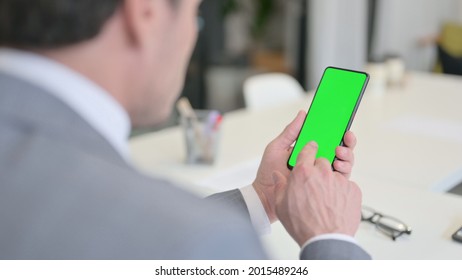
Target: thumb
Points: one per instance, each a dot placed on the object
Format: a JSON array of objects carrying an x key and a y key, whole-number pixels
[{"x": 290, "y": 133}]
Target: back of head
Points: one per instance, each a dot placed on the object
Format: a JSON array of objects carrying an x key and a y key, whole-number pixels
[{"x": 45, "y": 24}]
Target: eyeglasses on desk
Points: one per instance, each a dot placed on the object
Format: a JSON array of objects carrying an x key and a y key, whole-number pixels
[{"x": 388, "y": 225}]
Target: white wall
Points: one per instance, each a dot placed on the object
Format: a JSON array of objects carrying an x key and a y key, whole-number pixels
[
  {"x": 460, "y": 11},
  {"x": 337, "y": 36},
  {"x": 402, "y": 23}
]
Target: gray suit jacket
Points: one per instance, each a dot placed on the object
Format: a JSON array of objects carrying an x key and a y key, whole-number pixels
[{"x": 65, "y": 193}]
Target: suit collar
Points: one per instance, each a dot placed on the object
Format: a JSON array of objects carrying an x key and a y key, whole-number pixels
[
  {"x": 91, "y": 102},
  {"x": 31, "y": 108}
]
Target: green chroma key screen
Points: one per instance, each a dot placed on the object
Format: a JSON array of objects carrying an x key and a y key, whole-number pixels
[{"x": 331, "y": 112}]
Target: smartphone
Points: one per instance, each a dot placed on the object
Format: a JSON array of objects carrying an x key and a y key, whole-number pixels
[
  {"x": 331, "y": 112},
  {"x": 457, "y": 236}
]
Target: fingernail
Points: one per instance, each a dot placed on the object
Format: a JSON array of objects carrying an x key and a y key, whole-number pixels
[{"x": 313, "y": 144}]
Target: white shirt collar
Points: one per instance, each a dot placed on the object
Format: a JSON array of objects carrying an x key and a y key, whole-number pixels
[{"x": 86, "y": 98}]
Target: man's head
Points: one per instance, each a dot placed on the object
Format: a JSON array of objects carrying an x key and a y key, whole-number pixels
[
  {"x": 52, "y": 23},
  {"x": 137, "y": 50}
]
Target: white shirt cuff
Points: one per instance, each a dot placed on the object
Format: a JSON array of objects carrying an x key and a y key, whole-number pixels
[
  {"x": 257, "y": 212},
  {"x": 335, "y": 236}
]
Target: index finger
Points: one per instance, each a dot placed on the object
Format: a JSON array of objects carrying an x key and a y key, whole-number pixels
[{"x": 308, "y": 154}]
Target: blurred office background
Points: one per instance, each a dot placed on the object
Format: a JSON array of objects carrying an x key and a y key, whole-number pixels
[
  {"x": 241, "y": 38},
  {"x": 409, "y": 126}
]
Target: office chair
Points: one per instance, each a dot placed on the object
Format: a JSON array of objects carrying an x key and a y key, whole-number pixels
[
  {"x": 267, "y": 90},
  {"x": 449, "y": 47}
]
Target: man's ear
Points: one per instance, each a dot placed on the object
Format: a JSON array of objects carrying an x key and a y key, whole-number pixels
[{"x": 139, "y": 17}]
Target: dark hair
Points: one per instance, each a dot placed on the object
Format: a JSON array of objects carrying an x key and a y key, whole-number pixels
[{"x": 52, "y": 23}]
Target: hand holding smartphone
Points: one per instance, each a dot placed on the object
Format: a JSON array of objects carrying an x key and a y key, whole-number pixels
[{"x": 331, "y": 112}]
